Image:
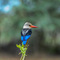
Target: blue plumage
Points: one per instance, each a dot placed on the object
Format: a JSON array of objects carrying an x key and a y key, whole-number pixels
[
  {"x": 27, "y": 37},
  {"x": 25, "y": 34},
  {"x": 24, "y": 42},
  {"x": 24, "y": 39}
]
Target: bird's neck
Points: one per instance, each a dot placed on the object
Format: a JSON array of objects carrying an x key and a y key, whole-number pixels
[{"x": 26, "y": 29}]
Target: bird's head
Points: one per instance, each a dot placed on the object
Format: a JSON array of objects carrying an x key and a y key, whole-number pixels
[{"x": 29, "y": 25}]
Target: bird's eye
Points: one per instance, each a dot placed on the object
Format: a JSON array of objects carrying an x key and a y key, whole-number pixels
[{"x": 29, "y": 25}]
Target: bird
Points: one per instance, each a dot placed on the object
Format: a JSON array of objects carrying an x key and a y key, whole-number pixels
[{"x": 26, "y": 32}]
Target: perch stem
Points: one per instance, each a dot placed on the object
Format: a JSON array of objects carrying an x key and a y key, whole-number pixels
[{"x": 22, "y": 57}]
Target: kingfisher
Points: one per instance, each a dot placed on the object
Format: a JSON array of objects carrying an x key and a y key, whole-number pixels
[{"x": 26, "y": 32}]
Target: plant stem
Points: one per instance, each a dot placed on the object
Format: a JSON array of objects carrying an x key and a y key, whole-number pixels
[
  {"x": 23, "y": 50},
  {"x": 22, "y": 57}
]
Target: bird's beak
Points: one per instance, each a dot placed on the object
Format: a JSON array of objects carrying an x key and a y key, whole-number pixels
[{"x": 32, "y": 26}]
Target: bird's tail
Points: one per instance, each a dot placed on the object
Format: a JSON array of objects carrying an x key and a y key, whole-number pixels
[{"x": 24, "y": 42}]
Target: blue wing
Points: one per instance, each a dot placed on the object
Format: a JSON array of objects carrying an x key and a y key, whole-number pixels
[{"x": 24, "y": 39}]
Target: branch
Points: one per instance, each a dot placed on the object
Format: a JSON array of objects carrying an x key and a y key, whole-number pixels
[{"x": 23, "y": 50}]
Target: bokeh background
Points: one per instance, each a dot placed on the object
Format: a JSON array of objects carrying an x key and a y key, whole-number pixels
[{"x": 44, "y": 44}]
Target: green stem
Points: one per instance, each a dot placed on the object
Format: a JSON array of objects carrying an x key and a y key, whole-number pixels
[
  {"x": 22, "y": 57},
  {"x": 23, "y": 50}
]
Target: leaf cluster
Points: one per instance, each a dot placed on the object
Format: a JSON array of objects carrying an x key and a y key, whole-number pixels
[{"x": 22, "y": 49}]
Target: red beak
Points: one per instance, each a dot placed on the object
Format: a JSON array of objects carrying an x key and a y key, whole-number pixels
[{"x": 32, "y": 26}]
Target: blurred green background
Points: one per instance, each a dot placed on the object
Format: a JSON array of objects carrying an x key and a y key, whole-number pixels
[{"x": 45, "y": 40}]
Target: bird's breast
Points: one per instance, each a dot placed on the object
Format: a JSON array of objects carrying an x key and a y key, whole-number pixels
[{"x": 25, "y": 32}]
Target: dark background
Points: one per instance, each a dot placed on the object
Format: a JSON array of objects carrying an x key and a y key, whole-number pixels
[{"x": 44, "y": 42}]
